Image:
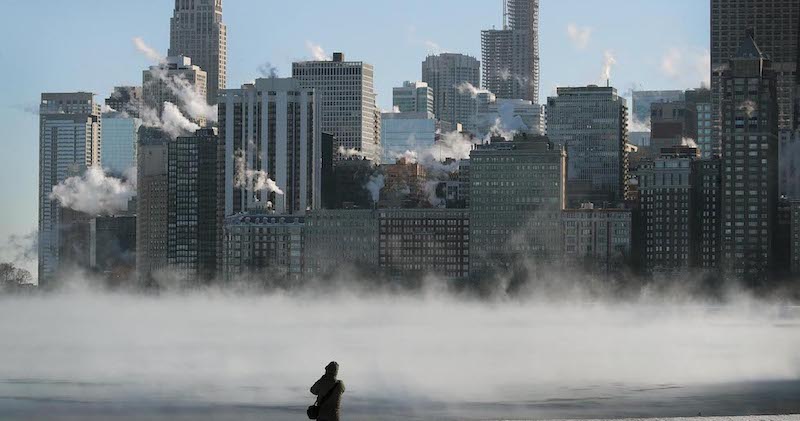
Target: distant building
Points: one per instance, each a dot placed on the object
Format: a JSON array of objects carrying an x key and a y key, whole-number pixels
[
  {"x": 642, "y": 102},
  {"x": 406, "y": 131},
  {"x": 404, "y": 185},
  {"x": 511, "y": 115},
  {"x": 113, "y": 247},
  {"x": 341, "y": 241},
  {"x": 795, "y": 237},
  {"x": 159, "y": 84},
  {"x": 287, "y": 150},
  {"x": 749, "y": 163},
  {"x": 418, "y": 242},
  {"x": 120, "y": 139},
  {"x": 197, "y": 31},
  {"x": 347, "y": 102},
  {"x": 706, "y": 213},
  {"x": 516, "y": 196},
  {"x": 591, "y": 124},
  {"x": 445, "y": 74},
  {"x": 126, "y": 100},
  {"x": 69, "y": 143},
  {"x": 672, "y": 124},
  {"x": 263, "y": 248},
  {"x": 789, "y": 164},
  {"x": 511, "y": 55},
  {"x": 413, "y": 97},
  {"x": 350, "y": 180},
  {"x": 151, "y": 205},
  {"x": 597, "y": 239},
  {"x": 194, "y": 211},
  {"x": 698, "y": 102}
]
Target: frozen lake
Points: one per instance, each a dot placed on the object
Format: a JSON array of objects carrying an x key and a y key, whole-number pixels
[{"x": 219, "y": 356}]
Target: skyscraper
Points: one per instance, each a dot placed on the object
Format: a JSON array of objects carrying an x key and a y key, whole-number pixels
[
  {"x": 413, "y": 97},
  {"x": 347, "y": 102},
  {"x": 409, "y": 131},
  {"x": 591, "y": 123},
  {"x": 197, "y": 31},
  {"x": 448, "y": 75},
  {"x": 271, "y": 129},
  {"x": 151, "y": 204},
  {"x": 511, "y": 55},
  {"x": 125, "y": 99},
  {"x": 775, "y": 25},
  {"x": 165, "y": 81},
  {"x": 750, "y": 113},
  {"x": 120, "y": 140},
  {"x": 194, "y": 215},
  {"x": 69, "y": 143}
]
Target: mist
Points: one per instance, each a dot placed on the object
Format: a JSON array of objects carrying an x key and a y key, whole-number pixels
[{"x": 408, "y": 349}]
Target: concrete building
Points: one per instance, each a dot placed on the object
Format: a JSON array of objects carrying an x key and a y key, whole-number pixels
[
  {"x": 347, "y": 102},
  {"x": 271, "y": 129},
  {"x": 511, "y": 55},
  {"x": 591, "y": 123},
  {"x": 194, "y": 211},
  {"x": 445, "y": 73},
  {"x": 789, "y": 164},
  {"x": 774, "y": 25},
  {"x": 339, "y": 242},
  {"x": 413, "y": 97},
  {"x": 404, "y": 185},
  {"x": 418, "y": 242},
  {"x": 197, "y": 31},
  {"x": 161, "y": 82},
  {"x": 672, "y": 124},
  {"x": 641, "y": 102},
  {"x": 113, "y": 247},
  {"x": 406, "y": 131},
  {"x": 516, "y": 196},
  {"x": 750, "y": 117},
  {"x": 597, "y": 240},
  {"x": 120, "y": 140},
  {"x": 706, "y": 212},
  {"x": 69, "y": 143},
  {"x": 151, "y": 205},
  {"x": 263, "y": 248},
  {"x": 511, "y": 115},
  {"x": 126, "y": 100}
]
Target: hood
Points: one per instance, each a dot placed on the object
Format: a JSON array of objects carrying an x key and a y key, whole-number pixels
[{"x": 332, "y": 369}]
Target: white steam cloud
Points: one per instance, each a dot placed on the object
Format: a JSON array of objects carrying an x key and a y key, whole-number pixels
[
  {"x": 467, "y": 88},
  {"x": 749, "y": 108},
  {"x": 316, "y": 51},
  {"x": 255, "y": 180},
  {"x": 689, "y": 142},
  {"x": 171, "y": 121},
  {"x": 96, "y": 193},
  {"x": 579, "y": 36},
  {"x": 609, "y": 61},
  {"x": 349, "y": 153},
  {"x": 374, "y": 185},
  {"x": 148, "y": 51}
]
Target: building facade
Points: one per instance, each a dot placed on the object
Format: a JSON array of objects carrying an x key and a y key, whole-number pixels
[
  {"x": 126, "y": 100},
  {"x": 418, "y": 242},
  {"x": 194, "y": 212},
  {"x": 151, "y": 205},
  {"x": 597, "y": 240},
  {"x": 413, "y": 97},
  {"x": 120, "y": 140},
  {"x": 342, "y": 240},
  {"x": 591, "y": 123},
  {"x": 160, "y": 84},
  {"x": 263, "y": 248},
  {"x": 197, "y": 31},
  {"x": 510, "y": 115},
  {"x": 511, "y": 55},
  {"x": 113, "y": 247},
  {"x": 641, "y": 102},
  {"x": 347, "y": 102},
  {"x": 445, "y": 74},
  {"x": 271, "y": 131},
  {"x": 406, "y": 131},
  {"x": 69, "y": 143},
  {"x": 517, "y": 193},
  {"x": 750, "y": 115},
  {"x": 698, "y": 102}
]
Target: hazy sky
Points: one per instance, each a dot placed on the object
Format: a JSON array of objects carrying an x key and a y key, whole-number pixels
[{"x": 85, "y": 45}]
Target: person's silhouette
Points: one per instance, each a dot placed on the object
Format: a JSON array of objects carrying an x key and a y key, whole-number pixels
[{"x": 328, "y": 391}]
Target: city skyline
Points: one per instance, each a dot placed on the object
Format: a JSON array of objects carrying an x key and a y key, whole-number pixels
[{"x": 582, "y": 37}]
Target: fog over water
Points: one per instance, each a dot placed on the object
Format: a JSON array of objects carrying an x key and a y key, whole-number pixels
[{"x": 417, "y": 355}]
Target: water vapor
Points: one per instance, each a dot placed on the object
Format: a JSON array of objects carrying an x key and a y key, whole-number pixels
[
  {"x": 316, "y": 51},
  {"x": 579, "y": 36},
  {"x": 96, "y": 193},
  {"x": 148, "y": 51},
  {"x": 254, "y": 180}
]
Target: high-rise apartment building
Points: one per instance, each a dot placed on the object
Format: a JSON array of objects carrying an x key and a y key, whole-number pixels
[
  {"x": 774, "y": 25},
  {"x": 194, "y": 214},
  {"x": 347, "y": 102},
  {"x": 592, "y": 124},
  {"x": 597, "y": 240},
  {"x": 151, "y": 205},
  {"x": 749, "y": 135},
  {"x": 448, "y": 75},
  {"x": 413, "y": 97},
  {"x": 698, "y": 102},
  {"x": 271, "y": 130},
  {"x": 126, "y": 100},
  {"x": 159, "y": 84},
  {"x": 197, "y": 31},
  {"x": 517, "y": 193},
  {"x": 511, "y": 55},
  {"x": 69, "y": 143}
]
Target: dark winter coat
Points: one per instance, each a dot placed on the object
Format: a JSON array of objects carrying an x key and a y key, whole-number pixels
[{"x": 329, "y": 409}]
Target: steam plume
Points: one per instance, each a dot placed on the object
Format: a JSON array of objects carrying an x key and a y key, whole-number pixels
[{"x": 95, "y": 193}]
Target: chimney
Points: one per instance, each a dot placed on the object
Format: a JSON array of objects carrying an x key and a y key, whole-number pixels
[{"x": 338, "y": 57}]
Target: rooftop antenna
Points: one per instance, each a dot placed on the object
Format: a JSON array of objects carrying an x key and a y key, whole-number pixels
[{"x": 505, "y": 14}]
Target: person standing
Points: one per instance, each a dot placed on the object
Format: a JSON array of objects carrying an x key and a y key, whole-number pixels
[{"x": 328, "y": 391}]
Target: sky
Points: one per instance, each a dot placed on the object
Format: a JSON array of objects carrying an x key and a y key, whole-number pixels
[{"x": 86, "y": 45}]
